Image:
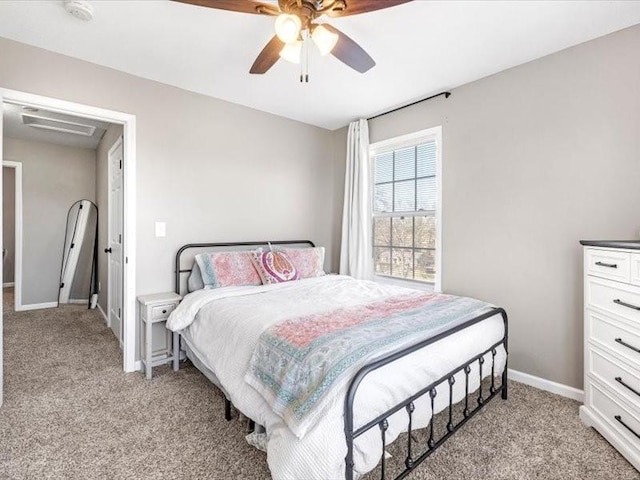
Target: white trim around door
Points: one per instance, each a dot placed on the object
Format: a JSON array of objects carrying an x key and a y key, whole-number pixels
[
  {"x": 17, "y": 273},
  {"x": 128, "y": 122}
]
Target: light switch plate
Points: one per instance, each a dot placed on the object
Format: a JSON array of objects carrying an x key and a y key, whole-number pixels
[{"x": 161, "y": 229}]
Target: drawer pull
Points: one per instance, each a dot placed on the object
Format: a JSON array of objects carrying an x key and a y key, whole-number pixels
[
  {"x": 625, "y": 304},
  {"x": 622, "y": 342},
  {"x": 621, "y": 382},
  {"x": 609, "y": 265},
  {"x": 619, "y": 419},
  {"x": 164, "y": 311}
]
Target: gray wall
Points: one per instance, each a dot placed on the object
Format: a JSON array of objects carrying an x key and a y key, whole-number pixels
[
  {"x": 53, "y": 178},
  {"x": 213, "y": 170},
  {"x": 534, "y": 159},
  {"x": 102, "y": 200},
  {"x": 8, "y": 222},
  {"x": 337, "y": 155}
]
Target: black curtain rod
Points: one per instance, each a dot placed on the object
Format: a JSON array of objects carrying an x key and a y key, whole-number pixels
[{"x": 446, "y": 95}]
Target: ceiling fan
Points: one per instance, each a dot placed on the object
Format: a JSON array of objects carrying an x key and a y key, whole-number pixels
[{"x": 296, "y": 25}]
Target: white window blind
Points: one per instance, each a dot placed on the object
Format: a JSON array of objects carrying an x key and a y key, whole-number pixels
[{"x": 405, "y": 209}]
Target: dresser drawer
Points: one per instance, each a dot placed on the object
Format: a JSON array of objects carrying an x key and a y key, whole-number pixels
[
  {"x": 162, "y": 311},
  {"x": 616, "y": 298},
  {"x": 614, "y": 336},
  {"x": 621, "y": 378},
  {"x": 608, "y": 264},
  {"x": 635, "y": 268},
  {"x": 622, "y": 419}
]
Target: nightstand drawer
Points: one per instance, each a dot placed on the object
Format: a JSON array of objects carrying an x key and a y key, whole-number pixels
[
  {"x": 614, "y": 336},
  {"x": 621, "y": 378},
  {"x": 608, "y": 264},
  {"x": 616, "y": 298},
  {"x": 162, "y": 311}
]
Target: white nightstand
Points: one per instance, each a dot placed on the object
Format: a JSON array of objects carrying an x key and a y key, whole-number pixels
[{"x": 156, "y": 309}]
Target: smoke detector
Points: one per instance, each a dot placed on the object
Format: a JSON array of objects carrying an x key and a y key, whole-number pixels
[{"x": 80, "y": 9}]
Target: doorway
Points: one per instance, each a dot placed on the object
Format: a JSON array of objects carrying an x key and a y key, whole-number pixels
[{"x": 128, "y": 123}]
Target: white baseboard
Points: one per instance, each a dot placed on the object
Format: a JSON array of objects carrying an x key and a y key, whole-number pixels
[
  {"x": 38, "y": 306},
  {"x": 8, "y": 284},
  {"x": 547, "y": 385},
  {"x": 104, "y": 315},
  {"x": 79, "y": 301}
]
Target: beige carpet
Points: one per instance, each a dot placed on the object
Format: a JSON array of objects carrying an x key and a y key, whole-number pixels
[{"x": 71, "y": 413}]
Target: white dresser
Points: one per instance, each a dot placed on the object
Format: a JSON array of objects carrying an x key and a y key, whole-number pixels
[{"x": 612, "y": 344}]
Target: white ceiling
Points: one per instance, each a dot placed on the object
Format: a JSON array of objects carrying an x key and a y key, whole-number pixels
[
  {"x": 14, "y": 127},
  {"x": 420, "y": 48}
]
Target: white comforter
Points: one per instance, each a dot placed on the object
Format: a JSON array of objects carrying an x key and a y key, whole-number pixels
[{"x": 222, "y": 327}]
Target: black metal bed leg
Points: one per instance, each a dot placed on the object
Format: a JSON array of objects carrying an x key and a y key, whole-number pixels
[
  {"x": 504, "y": 393},
  {"x": 227, "y": 409}
]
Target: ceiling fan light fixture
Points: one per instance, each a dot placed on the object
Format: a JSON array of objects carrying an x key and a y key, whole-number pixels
[
  {"x": 324, "y": 39},
  {"x": 292, "y": 52},
  {"x": 288, "y": 27}
]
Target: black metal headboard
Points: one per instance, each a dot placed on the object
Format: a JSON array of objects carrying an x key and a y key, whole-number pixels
[{"x": 179, "y": 270}]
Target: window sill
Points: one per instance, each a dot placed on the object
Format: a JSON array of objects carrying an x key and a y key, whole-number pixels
[{"x": 399, "y": 282}]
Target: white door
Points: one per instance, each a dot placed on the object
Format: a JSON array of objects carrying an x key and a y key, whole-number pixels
[{"x": 114, "y": 250}]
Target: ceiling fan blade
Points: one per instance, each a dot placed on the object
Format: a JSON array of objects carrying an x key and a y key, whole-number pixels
[
  {"x": 349, "y": 52},
  {"x": 355, "y": 7},
  {"x": 242, "y": 6},
  {"x": 268, "y": 56}
]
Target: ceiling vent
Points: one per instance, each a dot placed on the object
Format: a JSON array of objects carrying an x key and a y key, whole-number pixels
[
  {"x": 80, "y": 9},
  {"x": 58, "y": 125}
]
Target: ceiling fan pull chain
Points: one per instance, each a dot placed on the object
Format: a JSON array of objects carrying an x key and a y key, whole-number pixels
[
  {"x": 302, "y": 56},
  {"x": 305, "y": 47}
]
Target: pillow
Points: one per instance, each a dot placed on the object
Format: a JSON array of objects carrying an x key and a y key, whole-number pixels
[
  {"x": 274, "y": 266},
  {"x": 308, "y": 261},
  {"x": 227, "y": 269},
  {"x": 194, "y": 281}
]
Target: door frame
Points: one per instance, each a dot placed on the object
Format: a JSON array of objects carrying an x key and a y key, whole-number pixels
[
  {"x": 119, "y": 141},
  {"x": 17, "y": 260},
  {"x": 128, "y": 121}
]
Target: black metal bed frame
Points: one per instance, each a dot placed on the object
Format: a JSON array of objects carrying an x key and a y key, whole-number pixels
[
  {"x": 179, "y": 271},
  {"x": 412, "y": 460}
]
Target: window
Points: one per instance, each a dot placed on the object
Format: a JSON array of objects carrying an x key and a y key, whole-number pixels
[{"x": 406, "y": 207}]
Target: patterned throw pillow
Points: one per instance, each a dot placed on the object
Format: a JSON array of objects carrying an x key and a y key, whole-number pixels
[
  {"x": 227, "y": 269},
  {"x": 308, "y": 261},
  {"x": 274, "y": 266}
]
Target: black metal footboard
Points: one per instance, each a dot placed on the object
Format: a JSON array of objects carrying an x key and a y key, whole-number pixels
[{"x": 413, "y": 459}]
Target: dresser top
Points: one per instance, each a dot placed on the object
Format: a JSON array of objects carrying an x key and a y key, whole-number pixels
[{"x": 631, "y": 244}]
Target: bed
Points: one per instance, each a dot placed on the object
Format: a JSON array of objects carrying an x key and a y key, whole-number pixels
[{"x": 376, "y": 373}]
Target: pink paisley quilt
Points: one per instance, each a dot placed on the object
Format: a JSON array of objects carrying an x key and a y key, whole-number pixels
[{"x": 298, "y": 361}]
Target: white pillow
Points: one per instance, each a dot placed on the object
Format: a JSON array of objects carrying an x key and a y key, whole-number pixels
[{"x": 195, "y": 279}]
